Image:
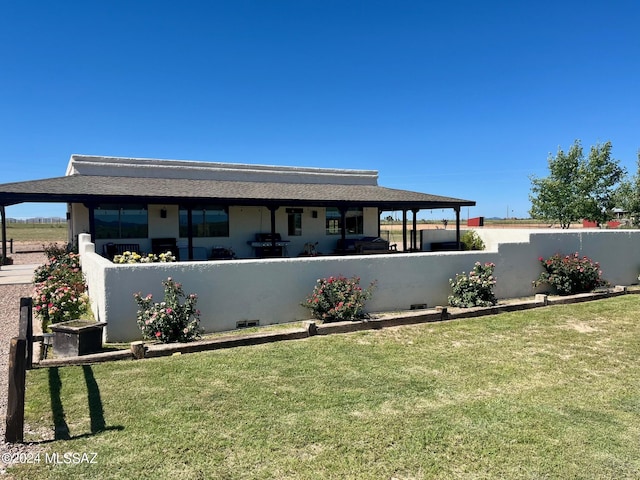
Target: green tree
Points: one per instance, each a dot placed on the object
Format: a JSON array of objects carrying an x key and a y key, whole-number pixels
[
  {"x": 556, "y": 197},
  {"x": 627, "y": 196},
  {"x": 577, "y": 187}
]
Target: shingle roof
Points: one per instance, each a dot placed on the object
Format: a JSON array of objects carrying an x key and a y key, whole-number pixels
[{"x": 87, "y": 188}]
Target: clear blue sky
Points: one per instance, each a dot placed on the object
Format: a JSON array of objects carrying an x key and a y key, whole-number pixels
[{"x": 458, "y": 98}]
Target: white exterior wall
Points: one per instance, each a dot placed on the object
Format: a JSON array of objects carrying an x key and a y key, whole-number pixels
[
  {"x": 493, "y": 236},
  {"x": 271, "y": 290},
  {"x": 244, "y": 223},
  {"x": 428, "y": 236},
  {"x": 94, "y": 267},
  {"x": 155, "y": 168},
  {"x": 79, "y": 220},
  {"x": 159, "y": 227}
]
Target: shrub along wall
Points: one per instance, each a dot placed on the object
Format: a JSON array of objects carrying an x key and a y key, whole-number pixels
[{"x": 271, "y": 290}]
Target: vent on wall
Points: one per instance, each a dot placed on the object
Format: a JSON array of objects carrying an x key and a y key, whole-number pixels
[{"x": 247, "y": 323}]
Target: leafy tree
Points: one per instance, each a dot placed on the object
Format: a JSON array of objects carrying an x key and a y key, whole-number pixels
[
  {"x": 599, "y": 179},
  {"x": 576, "y": 187},
  {"x": 627, "y": 196}
]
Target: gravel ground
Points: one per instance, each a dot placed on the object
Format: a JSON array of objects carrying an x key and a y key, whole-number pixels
[{"x": 9, "y": 314}]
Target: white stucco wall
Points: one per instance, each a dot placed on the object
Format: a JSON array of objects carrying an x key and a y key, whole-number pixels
[
  {"x": 79, "y": 220},
  {"x": 244, "y": 223},
  {"x": 271, "y": 290},
  {"x": 168, "y": 227},
  {"x": 156, "y": 168},
  {"x": 429, "y": 236},
  {"x": 493, "y": 236}
]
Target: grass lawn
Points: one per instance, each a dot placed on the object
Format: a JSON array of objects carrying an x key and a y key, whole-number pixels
[
  {"x": 546, "y": 393},
  {"x": 37, "y": 232}
]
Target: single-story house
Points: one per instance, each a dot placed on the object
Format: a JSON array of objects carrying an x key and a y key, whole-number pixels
[
  {"x": 200, "y": 206},
  {"x": 207, "y": 210}
]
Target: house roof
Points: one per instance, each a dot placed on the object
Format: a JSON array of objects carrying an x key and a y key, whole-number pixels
[
  {"x": 101, "y": 179},
  {"x": 106, "y": 189}
]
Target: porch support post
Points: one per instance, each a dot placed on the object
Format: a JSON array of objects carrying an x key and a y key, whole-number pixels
[
  {"x": 457, "y": 209},
  {"x": 4, "y": 234},
  {"x": 414, "y": 238},
  {"x": 404, "y": 230},
  {"x": 189, "y": 230},
  {"x": 343, "y": 224},
  {"x": 92, "y": 223},
  {"x": 272, "y": 210},
  {"x": 379, "y": 213}
]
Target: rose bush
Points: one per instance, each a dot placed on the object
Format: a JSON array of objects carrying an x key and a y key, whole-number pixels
[
  {"x": 170, "y": 320},
  {"x": 60, "y": 290},
  {"x": 474, "y": 290},
  {"x": 569, "y": 274},
  {"x": 336, "y": 299}
]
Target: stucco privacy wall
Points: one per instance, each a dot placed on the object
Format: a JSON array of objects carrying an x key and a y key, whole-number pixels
[
  {"x": 490, "y": 236},
  {"x": 271, "y": 290}
]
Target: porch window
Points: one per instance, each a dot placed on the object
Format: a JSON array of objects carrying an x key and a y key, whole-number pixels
[
  {"x": 354, "y": 221},
  {"x": 207, "y": 221},
  {"x": 121, "y": 221}
]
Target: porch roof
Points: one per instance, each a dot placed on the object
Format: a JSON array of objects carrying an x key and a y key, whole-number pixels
[{"x": 119, "y": 189}]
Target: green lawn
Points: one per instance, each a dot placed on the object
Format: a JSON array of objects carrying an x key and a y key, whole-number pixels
[{"x": 546, "y": 393}]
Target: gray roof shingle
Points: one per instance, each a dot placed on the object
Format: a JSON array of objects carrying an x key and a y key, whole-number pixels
[{"x": 85, "y": 188}]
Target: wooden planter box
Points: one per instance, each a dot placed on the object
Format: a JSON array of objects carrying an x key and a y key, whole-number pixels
[{"x": 77, "y": 337}]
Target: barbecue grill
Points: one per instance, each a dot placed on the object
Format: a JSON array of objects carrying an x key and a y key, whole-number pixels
[{"x": 268, "y": 245}]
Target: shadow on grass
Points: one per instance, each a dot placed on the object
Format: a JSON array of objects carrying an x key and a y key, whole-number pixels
[{"x": 96, "y": 411}]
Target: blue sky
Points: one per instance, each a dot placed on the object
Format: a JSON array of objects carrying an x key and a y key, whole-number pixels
[{"x": 460, "y": 98}]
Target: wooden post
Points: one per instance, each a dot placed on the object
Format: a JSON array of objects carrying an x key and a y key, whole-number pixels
[
  {"x": 414, "y": 238},
  {"x": 272, "y": 212},
  {"x": 3, "y": 218},
  {"x": 404, "y": 231},
  {"x": 190, "y": 232},
  {"x": 15, "y": 399},
  {"x": 457, "y": 209},
  {"x": 343, "y": 227},
  {"x": 138, "y": 350}
]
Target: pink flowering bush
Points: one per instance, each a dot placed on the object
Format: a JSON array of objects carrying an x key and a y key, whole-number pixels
[
  {"x": 171, "y": 320},
  {"x": 60, "y": 291},
  {"x": 569, "y": 274},
  {"x": 337, "y": 299},
  {"x": 474, "y": 290}
]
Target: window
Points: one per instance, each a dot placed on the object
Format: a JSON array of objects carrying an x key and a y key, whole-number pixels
[
  {"x": 121, "y": 221},
  {"x": 207, "y": 221},
  {"x": 354, "y": 221},
  {"x": 294, "y": 221}
]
